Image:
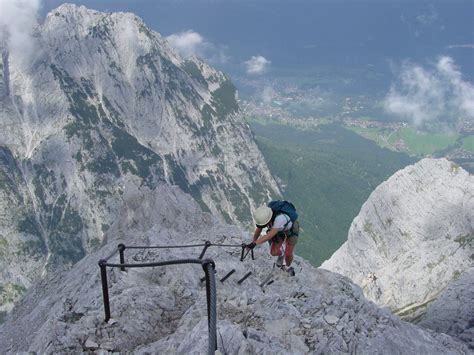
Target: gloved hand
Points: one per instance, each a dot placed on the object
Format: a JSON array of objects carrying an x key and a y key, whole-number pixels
[{"x": 251, "y": 245}]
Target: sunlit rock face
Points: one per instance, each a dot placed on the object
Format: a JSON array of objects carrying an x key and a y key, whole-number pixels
[
  {"x": 101, "y": 106},
  {"x": 163, "y": 309},
  {"x": 412, "y": 237}
]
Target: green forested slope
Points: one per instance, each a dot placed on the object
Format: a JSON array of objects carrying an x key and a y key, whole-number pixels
[{"x": 328, "y": 175}]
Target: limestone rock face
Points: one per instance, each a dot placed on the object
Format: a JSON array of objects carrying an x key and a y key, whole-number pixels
[
  {"x": 414, "y": 235},
  {"x": 163, "y": 310},
  {"x": 453, "y": 311},
  {"x": 105, "y": 104}
]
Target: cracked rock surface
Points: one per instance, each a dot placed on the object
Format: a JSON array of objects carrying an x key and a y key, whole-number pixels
[
  {"x": 105, "y": 103},
  {"x": 453, "y": 311},
  {"x": 412, "y": 236},
  {"x": 163, "y": 310}
]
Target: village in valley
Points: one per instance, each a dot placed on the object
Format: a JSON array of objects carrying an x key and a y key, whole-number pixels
[{"x": 286, "y": 104}]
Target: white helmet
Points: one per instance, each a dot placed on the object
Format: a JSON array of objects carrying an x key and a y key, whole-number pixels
[{"x": 263, "y": 215}]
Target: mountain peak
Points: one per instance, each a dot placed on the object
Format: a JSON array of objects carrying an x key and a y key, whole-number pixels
[
  {"x": 412, "y": 236},
  {"x": 71, "y": 12},
  {"x": 110, "y": 106}
]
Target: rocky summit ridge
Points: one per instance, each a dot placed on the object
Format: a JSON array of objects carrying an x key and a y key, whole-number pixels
[
  {"x": 163, "y": 310},
  {"x": 105, "y": 104},
  {"x": 413, "y": 236},
  {"x": 453, "y": 310}
]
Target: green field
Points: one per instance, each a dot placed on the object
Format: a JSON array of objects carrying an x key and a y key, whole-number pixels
[
  {"x": 421, "y": 143},
  {"x": 379, "y": 136},
  {"x": 328, "y": 175},
  {"x": 414, "y": 142}
]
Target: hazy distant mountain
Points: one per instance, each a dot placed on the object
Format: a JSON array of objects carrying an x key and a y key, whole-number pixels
[{"x": 104, "y": 106}]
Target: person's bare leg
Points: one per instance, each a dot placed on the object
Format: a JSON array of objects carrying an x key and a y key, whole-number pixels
[
  {"x": 276, "y": 249},
  {"x": 289, "y": 254}
]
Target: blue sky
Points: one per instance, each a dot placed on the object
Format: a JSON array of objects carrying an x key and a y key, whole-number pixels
[{"x": 292, "y": 33}]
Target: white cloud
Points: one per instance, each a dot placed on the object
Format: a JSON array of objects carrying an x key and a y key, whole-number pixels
[
  {"x": 268, "y": 94},
  {"x": 190, "y": 43},
  {"x": 462, "y": 91},
  {"x": 469, "y": 46},
  {"x": 425, "y": 23},
  {"x": 17, "y": 21},
  {"x": 187, "y": 43},
  {"x": 429, "y": 17},
  {"x": 430, "y": 94},
  {"x": 257, "y": 65}
]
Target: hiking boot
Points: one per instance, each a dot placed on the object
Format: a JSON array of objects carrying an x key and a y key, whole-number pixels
[
  {"x": 290, "y": 271},
  {"x": 279, "y": 262}
]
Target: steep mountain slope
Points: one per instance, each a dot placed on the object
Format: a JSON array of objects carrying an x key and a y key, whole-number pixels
[
  {"x": 328, "y": 174},
  {"x": 106, "y": 103},
  {"x": 453, "y": 311},
  {"x": 23, "y": 236},
  {"x": 163, "y": 310},
  {"x": 414, "y": 235}
]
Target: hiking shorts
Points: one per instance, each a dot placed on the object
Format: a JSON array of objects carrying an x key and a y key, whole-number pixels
[{"x": 291, "y": 235}]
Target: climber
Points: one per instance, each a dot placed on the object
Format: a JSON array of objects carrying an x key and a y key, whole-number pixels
[{"x": 279, "y": 217}]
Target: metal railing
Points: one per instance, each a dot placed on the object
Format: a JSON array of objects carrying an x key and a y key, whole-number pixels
[{"x": 208, "y": 266}]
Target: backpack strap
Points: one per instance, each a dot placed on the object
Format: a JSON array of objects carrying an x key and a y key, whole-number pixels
[{"x": 287, "y": 222}]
